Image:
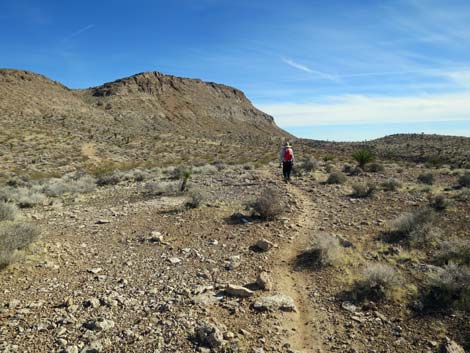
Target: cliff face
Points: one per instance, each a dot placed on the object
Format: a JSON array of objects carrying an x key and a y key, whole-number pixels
[{"x": 189, "y": 105}]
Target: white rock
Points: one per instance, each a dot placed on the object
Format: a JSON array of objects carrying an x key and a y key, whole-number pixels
[{"x": 238, "y": 291}]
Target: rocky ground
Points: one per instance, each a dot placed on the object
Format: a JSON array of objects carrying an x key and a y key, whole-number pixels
[{"x": 121, "y": 271}]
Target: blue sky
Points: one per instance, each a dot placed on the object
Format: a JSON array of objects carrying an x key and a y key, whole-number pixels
[{"x": 336, "y": 70}]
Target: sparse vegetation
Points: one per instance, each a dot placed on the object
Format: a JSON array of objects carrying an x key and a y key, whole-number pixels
[
  {"x": 377, "y": 283},
  {"x": 109, "y": 179},
  {"x": 417, "y": 228},
  {"x": 309, "y": 165},
  {"x": 269, "y": 204},
  {"x": 336, "y": 178},
  {"x": 464, "y": 180},
  {"x": 13, "y": 237},
  {"x": 438, "y": 202},
  {"x": 363, "y": 156},
  {"x": 426, "y": 178},
  {"x": 375, "y": 167},
  {"x": 363, "y": 190},
  {"x": 448, "y": 288},
  {"x": 391, "y": 184},
  {"x": 325, "y": 251},
  {"x": 8, "y": 212},
  {"x": 454, "y": 251},
  {"x": 196, "y": 198}
]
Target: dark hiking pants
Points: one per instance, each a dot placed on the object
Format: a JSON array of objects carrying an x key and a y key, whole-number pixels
[{"x": 286, "y": 169}]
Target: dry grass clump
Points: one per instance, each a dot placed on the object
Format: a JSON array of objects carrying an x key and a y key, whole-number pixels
[
  {"x": 363, "y": 190},
  {"x": 391, "y": 184},
  {"x": 377, "y": 283},
  {"x": 325, "y": 251},
  {"x": 426, "y": 178},
  {"x": 448, "y": 288},
  {"x": 57, "y": 187},
  {"x": 8, "y": 212},
  {"x": 464, "y": 180},
  {"x": 455, "y": 250},
  {"x": 336, "y": 178},
  {"x": 269, "y": 204},
  {"x": 416, "y": 228},
  {"x": 13, "y": 237}
]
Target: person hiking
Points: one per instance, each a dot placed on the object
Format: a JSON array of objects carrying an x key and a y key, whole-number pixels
[{"x": 287, "y": 160}]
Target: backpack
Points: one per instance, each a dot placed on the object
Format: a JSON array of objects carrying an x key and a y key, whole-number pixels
[{"x": 288, "y": 154}]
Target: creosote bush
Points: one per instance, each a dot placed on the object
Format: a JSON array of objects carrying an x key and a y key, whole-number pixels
[
  {"x": 377, "y": 283},
  {"x": 448, "y": 288},
  {"x": 336, "y": 178},
  {"x": 363, "y": 156},
  {"x": 363, "y": 190},
  {"x": 269, "y": 204},
  {"x": 325, "y": 251},
  {"x": 426, "y": 178},
  {"x": 391, "y": 184}
]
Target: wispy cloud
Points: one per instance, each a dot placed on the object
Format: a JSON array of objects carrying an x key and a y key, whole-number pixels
[
  {"x": 306, "y": 69},
  {"x": 352, "y": 109},
  {"x": 79, "y": 32}
]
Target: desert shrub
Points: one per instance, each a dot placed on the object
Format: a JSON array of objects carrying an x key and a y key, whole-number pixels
[
  {"x": 196, "y": 198},
  {"x": 325, "y": 251},
  {"x": 336, "y": 178},
  {"x": 179, "y": 172},
  {"x": 363, "y": 156},
  {"x": 328, "y": 158},
  {"x": 55, "y": 187},
  {"x": 85, "y": 184},
  {"x": 455, "y": 251},
  {"x": 375, "y": 168},
  {"x": 248, "y": 166},
  {"x": 27, "y": 198},
  {"x": 377, "y": 283},
  {"x": 269, "y": 204},
  {"x": 438, "y": 202},
  {"x": 18, "y": 182},
  {"x": 308, "y": 164},
  {"x": 348, "y": 168},
  {"x": 417, "y": 227},
  {"x": 463, "y": 196},
  {"x": 329, "y": 167},
  {"x": 207, "y": 169},
  {"x": 448, "y": 288},
  {"x": 220, "y": 165},
  {"x": 464, "y": 180},
  {"x": 363, "y": 190},
  {"x": 426, "y": 178},
  {"x": 391, "y": 184},
  {"x": 15, "y": 236},
  {"x": 109, "y": 179},
  {"x": 8, "y": 212},
  {"x": 160, "y": 188}
]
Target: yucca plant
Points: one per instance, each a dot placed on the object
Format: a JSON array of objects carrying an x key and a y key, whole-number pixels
[{"x": 363, "y": 156}]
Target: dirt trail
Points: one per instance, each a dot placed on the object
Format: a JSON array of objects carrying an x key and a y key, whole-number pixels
[{"x": 304, "y": 324}]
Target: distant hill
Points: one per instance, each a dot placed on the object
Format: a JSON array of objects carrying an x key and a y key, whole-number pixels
[
  {"x": 419, "y": 148},
  {"x": 149, "y": 118}
]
